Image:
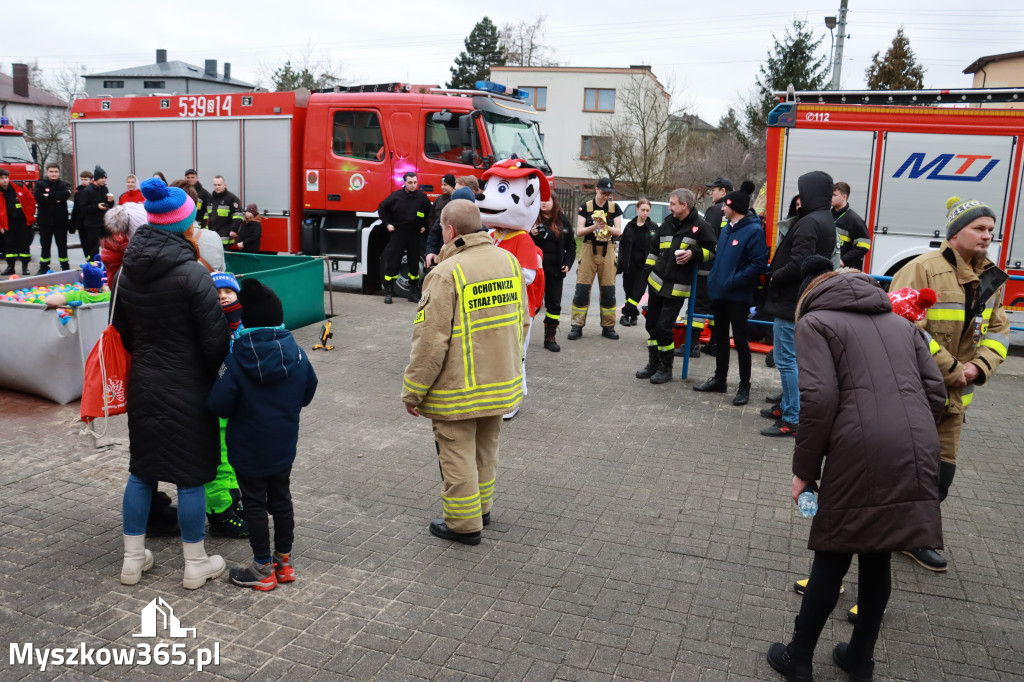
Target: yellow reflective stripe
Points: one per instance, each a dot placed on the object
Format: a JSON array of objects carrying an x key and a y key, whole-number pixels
[
  {"x": 505, "y": 403},
  {"x": 579, "y": 311},
  {"x": 967, "y": 396},
  {"x": 419, "y": 389},
  {"x": 632, "y": 302},
  {"x": 463, "y": 503},
  {"x": 933, "y": 346},
  {"x": 651, "y": 342},
  {"x": 467, "y": 343},
  {"x": 665, "y": 241},
  {"x": 690, "y": 241},
  {"x": 707, "y": 255},
  {"x": 607, "y": 310},
  {"x": 387, "y": 278},
  {"x": 863, "y": 244},
  {"x": 469, "y": 514},
  {"x": 650, "y": 260},
  {"x": 654, "y": 281},
  {"x": 986, "y": 314},
  {"x": 994, "y": 345},
  {"x": 844, "y": 239},
  {"x": 462, "y": 392},
  {"x": 493, "y": 322},
  {"x": 550, "y": 316},
  {"x": 945, "y": 314},
  {"x": 665, "y": 349}
]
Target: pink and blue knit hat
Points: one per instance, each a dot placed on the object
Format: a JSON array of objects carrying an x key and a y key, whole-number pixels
[{"x": 167, "y": 208}]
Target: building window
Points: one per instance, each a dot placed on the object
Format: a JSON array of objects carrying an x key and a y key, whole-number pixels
[
  {"x": 113, "y": 84},
  {"x": 595, "y": 99},
  {"x": 155, "y": 85},
  {"x": 357, "y": 135},
  {"x": 592, "y": 146},
  {"x": 538, "y": 96}
]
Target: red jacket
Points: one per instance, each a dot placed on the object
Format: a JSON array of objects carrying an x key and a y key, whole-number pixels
[
  {"x": 28, "y": 206},
  {"x": 133, "y": 197},
  {"x": 520, "y": 244}
]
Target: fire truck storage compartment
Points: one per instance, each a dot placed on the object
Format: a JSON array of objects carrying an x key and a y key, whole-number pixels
[
  {"x": 42, "y": 356},
  {"x": 297, "y": 280},
  {"x": 164, "y": 146},
  {"x": 1015, "y": 253},
  {"x": 107, "y": 143},
  {"x": 844, "y": 154}
]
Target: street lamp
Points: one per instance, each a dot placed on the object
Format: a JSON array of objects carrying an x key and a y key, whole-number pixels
[{"x": 830, "y": 24}]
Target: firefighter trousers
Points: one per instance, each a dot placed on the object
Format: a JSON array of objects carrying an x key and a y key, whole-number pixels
[
  {"x": 661, "y": 318},
  {"x": 634, "y": 282},
  {"x": 404, "y": 241},
  {"x": 950, "y": 426},
  {"x": 598, "y": 260},
  {"x": 467, "y": 452},
  {"x": 48, "y": 233},
  {"x": 17, "y": 242}
]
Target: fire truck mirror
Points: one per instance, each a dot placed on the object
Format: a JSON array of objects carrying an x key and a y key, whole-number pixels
[{"x": 443, "y": 116}]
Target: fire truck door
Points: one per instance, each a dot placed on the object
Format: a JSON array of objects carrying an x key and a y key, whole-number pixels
[{"x": 359, "y": 164}]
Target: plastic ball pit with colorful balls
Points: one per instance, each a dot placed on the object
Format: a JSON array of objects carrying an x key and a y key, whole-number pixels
[{"x": 37, "y": 295}]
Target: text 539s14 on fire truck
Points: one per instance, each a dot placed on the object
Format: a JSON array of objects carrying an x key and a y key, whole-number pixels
[{"x": 317, "y": 164}]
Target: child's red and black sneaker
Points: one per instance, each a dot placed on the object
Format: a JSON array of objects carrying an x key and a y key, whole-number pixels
[
  {"x": 283, "y": 568},
  {"x": 258, "y": 576}
]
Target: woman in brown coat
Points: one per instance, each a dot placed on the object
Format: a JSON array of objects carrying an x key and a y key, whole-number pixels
[{"x": 870, "y": 395}]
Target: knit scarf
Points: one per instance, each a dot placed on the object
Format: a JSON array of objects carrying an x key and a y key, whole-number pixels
[{"x": 233, "y": 311}]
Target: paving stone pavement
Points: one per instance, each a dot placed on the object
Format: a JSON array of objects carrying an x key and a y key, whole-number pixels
[{"x": 639, "y": 532}]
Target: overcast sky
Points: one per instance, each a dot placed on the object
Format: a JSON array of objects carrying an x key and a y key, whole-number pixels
[{"x": 709, "y": 59}]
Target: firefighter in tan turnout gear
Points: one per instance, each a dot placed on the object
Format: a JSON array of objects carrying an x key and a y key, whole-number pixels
[
  {"x": 465, "y": 369},
  {"x": 598, "y": 221},
  {"x": 967, "y": 286}
]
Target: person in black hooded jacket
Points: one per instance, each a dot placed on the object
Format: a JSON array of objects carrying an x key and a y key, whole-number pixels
[
  {"x": 813, "y": 233},
  {"x": 171, "y": 322},
  {"x": 634, "y": 245}
]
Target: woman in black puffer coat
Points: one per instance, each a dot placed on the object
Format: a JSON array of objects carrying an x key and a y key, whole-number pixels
[{"x": 170, "y": 320}]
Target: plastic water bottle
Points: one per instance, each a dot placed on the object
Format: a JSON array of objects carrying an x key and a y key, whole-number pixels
[{"x": 807, "y": 503}]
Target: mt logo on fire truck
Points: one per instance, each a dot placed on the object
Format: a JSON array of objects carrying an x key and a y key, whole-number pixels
[{"x": 917, "y": 167}]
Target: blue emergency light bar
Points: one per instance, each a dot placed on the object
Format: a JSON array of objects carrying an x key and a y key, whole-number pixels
[
  {"x": 499, "y": 89},
  {"x": 5, "y": 121}
]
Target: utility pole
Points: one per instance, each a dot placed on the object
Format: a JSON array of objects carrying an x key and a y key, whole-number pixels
[{"x": 837, "y": 64}]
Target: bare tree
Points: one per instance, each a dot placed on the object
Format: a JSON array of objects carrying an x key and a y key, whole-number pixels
[
  {"x": 632, "y": 146},
  {"x": 311, "y": 68},
  {"x": 523, "y": 44}
]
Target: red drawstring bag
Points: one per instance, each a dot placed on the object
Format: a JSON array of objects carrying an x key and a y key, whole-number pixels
[{"x": 105, "y": 387}]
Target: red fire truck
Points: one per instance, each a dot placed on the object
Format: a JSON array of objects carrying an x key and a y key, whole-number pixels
[
  {"x": 15, "y": 156},
  {"x": 317, "y": 165},
  {"x": 903, "y": 154}
]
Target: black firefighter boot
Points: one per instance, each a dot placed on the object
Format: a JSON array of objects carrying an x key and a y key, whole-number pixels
[
  {"x": 389, "y": 290},
  {"x": 25, "y": 272},
  {"x": 794, "y": 660},
  {"x": 414, "y": 290},
  {"x": 549, "y": 336},
  {"x": 11, "y": 262},
  {"x": 664, "y": 373},
  {"x": 652, "y": 364}
]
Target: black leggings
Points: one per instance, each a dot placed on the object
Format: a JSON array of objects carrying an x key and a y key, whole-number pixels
[
  {"x": 633, "y": 283},
  {"x": 874, "y": 579},
  {"x": 262, "y": 494},
  {"x": 735, "y": 314}
]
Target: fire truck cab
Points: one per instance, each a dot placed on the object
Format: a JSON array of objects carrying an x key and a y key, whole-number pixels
[
  {"x": 903, "y": 155},
  {"x": 316, "y": 164},
  {"x": 15, "y": 155}
]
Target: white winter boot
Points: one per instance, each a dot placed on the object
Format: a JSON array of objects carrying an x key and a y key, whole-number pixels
[
  {"x": 136, "y": 559},
  {"x": 198, "y": 567}
]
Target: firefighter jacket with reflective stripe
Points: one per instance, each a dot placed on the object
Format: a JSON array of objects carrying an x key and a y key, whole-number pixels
[
  {"x": 669, "y": 279},
  {"x": 467, "y": 337},
  {"x": 405, "y": 210},
  {"x": 964, "y": 291},
  {"x": 224, "y": 214},
  {"x": 16, "y": 198},
  {"x": 854, "y": 241}
]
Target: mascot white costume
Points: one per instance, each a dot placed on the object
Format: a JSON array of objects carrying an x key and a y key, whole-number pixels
[{"x": 509, "y": 205}]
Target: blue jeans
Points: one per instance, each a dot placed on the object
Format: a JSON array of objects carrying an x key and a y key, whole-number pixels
[
  {"x": 138, "y": 494},
  {"x": 785, "y": 361}
]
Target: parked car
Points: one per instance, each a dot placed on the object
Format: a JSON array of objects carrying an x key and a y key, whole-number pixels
[{"x": 659, "y": 211}]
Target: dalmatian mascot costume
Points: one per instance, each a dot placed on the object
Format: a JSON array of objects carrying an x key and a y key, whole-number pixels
[{"x": 509, "y": 205}]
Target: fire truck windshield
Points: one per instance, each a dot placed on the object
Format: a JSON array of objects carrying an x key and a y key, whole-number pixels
[
  {"x": 515, "y": 136},
  {"x": 14, "y": 150}
]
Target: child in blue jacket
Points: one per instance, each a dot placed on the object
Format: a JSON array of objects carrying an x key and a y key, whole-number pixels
[{"x": 260, "y": 389}]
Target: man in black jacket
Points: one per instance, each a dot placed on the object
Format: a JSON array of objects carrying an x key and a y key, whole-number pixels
[
  {"x": 96, "y": 200},
  {"x": 204, "y": 195},
  {"x": 52, "y": 196},
  {"x": 404, "y": 212},
  {"x": 854, "y": 241},
  {"x": 813, "y": 233},
  {"x": 684, "y": 242},
  {"x": 224, "y": 213},
  {"x": 702, "y": 303}
]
